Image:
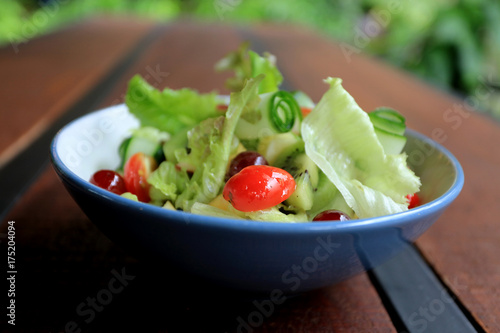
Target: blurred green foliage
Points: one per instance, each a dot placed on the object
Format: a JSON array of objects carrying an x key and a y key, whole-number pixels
[{"x": 454, "y": 44}]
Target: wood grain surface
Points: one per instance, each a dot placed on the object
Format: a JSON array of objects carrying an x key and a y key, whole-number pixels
[{"x": 44, "y": 76}]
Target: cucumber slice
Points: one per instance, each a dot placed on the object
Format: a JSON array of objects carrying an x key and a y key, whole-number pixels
[
  {"x": 273, "y": 146},
  {"x": 303, "y": 99},
  {"x": 327, "y": 196},
  {"x": 296, "y": 162},
  {"x": 122, "y": 151},
  {"x": 302, "y": 197},
  {"x": 277, "y": 112},
  {"x": 147, "y": 140},
  {"x": 386, "y": 124},
  {"x": 140, "y": 144},
  {"x": 389, "y": 114},
  {"x": 303, "y": 162},
  {"x": 392, "y": 143}
]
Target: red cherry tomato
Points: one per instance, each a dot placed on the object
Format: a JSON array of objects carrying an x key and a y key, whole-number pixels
[
  {"x": 109, "y": 180},
  {"x": 136, "y": 172},
  {"x": 221, "y": 107},
  {"x": 258, "y": 187},
  {"x": 413, "y": 200},
  {"x": 305, "y": 111}
]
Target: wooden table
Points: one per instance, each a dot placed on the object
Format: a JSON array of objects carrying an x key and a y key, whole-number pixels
[{"x": 448, "y": 282}]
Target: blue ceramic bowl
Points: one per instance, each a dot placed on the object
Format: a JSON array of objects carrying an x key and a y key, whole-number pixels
[{"x": 246, "y": 255}]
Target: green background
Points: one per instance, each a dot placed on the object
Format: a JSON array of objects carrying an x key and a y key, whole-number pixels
[{"x": 453, "y": 44}]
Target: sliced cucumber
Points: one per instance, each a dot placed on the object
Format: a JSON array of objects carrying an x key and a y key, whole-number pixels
[
  {"x": 327, "y": 196},
  {"x": 303, "y": 99},
  {"x": 277, "y": 112},
  {"x": 147, "y": 140},
  {"x": 392, "y": 143},
  {"x": 271, "y": 147},
  {"x": 140, "y": 144},
  {"x": 387, "y": 125},
  {"x": 134, "y": 145},
  {"x": 294, "y": 159},
  {"x": 296, "y": 162},
  {"x": 122, "y": 150},
  {"x": 302, "y": 197},
  {"x": 389, "y": 114}
]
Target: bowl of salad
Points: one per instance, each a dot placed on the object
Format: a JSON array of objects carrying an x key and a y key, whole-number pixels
[{"x": 262, "y": 190}]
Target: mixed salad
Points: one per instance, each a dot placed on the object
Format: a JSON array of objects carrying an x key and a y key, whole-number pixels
[{"x": 263, "y": 153}]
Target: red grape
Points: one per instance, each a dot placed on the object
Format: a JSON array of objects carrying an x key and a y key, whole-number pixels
[
  {"x": 332, "y": 215},
  {"x": 242, "y": 160},
  {"x": 109, "y": 180}
]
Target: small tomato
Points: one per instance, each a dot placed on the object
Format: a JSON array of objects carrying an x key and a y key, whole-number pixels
[
  {"x": 258, "y": 187},
  {"x": 413, "y": 200},
  {"x": 136, "y": 172}
]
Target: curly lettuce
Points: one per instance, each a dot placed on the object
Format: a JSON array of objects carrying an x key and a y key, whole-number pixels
[
  {"x": 340, "y": 138},
  {"x": 169, "y": 110}
]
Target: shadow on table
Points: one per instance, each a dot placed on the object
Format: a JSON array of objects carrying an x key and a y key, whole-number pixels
[{"x": 131, "y": 295}]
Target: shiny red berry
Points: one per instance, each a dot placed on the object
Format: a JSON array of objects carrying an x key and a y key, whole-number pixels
[
  {"x": 109, "y": 180},
  {"x": 244, "y": 159},
  {"x": 331, "y": 215}
]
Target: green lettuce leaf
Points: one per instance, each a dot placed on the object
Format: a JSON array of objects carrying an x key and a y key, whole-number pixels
[
  {"x": 272, "y": 214},
  {"x": 339, "y": 137},
  {"x": 207, "y": 210},
  {"x": 247, "y": 64},
  {"x": 208, "y": 178},
  {"x": 169, "y": 110},
  {"x": 167, "y": 182},
  {"x": 199, "y": 139}
]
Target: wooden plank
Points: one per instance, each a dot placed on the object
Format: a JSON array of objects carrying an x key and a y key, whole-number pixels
[
  {"x": 184, "y": 57},
  {"x": 463, "y": 245},
  {"x": 422, "y": 302},
  {"x": 61, "y": 257},
  {"x": 350, "y": 306},
  {"x": 18, "y": 173},
  {"x": 63, "y": 252},
  {"x": 46, "y": 75}
]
